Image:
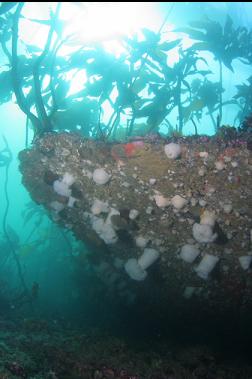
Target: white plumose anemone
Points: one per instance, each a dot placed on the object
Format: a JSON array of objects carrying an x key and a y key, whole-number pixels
[
  {"x": 206, "y": 265},
  {"x": 134, "y": 270},
  {"x": 62, "y": 187},
  {"x": 148, "y": 257},
  {"x": 100, "y": 176},
  {"x": 172, "y": 150},
  {"x": 189, "y": 253},
  {"x": 245, "y": 261},
  {"x": 204, "y": 233}
]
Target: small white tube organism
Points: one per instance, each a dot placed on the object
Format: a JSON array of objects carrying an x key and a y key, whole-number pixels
[{"x": 208, "y": 218}]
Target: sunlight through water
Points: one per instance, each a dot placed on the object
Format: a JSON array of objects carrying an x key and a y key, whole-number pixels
[{"x": 90, "y": 22}]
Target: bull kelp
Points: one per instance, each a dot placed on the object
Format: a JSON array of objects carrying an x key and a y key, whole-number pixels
[{"x": 126, "y": 241}]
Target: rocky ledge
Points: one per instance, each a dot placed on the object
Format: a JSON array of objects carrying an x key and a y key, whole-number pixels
[{"x": 170, "y": 221}]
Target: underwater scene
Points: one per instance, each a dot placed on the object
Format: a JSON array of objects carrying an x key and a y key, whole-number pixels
[{"x": 126, "y": 190}]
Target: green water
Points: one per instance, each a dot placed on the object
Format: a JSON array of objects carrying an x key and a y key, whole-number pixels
[{"x": 40, "y": 276}]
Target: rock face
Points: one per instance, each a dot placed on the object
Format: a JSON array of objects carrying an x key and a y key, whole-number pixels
[{"x": 139, "y": 172}]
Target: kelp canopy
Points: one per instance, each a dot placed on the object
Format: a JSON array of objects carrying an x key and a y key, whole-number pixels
[{"x": 140, "y": 86}]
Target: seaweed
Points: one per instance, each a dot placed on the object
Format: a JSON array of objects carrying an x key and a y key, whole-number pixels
[
  {"x": 140, "y": 86},
  {"x": 226, "y": 43}
]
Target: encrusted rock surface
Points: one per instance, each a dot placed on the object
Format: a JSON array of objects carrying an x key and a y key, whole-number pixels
[
  {"x": 209, "y": 175},
  {"x": 38, "y": 349}
]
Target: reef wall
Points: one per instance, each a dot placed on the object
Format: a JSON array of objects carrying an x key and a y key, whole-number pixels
[{"x": 193, "y": 209}]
